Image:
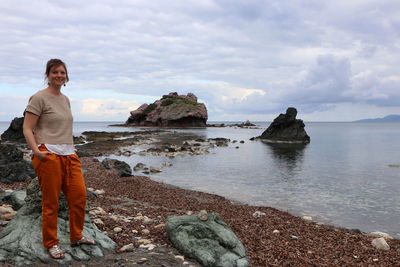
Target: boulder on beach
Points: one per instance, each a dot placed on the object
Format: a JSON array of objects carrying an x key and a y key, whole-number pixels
[
  {"x": 123, "y": 168},
  {"x": 171, "y": 110},
  {"x": 208, "y": 239},
  {"x": 14, "y": 132},
  {"x": 21, "y": 240},
  {"x": 13, "y": 167},
  {"x": 286, "y": 129}
]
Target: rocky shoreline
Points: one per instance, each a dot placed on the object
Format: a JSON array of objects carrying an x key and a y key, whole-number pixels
[{"x": 132, "y": 211}]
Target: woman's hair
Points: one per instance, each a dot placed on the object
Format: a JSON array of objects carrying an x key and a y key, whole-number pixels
[{"x": 55, "y": 62}]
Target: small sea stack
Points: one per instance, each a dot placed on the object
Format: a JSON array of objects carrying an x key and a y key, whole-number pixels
[{"x": 286, "y": 129}]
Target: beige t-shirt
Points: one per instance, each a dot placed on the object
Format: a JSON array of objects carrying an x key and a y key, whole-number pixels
[{"x": 54, "y": 125}]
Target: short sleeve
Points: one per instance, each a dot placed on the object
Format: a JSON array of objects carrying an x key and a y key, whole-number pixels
[
  {"x": 35, "y": 105},
  {"x": 69, "y": 104}
]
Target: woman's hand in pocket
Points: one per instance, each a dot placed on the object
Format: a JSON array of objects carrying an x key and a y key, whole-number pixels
[{"x": 42, "y": 154}]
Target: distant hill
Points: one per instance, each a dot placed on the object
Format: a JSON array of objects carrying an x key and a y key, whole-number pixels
[{"x": 389, "y": 118}]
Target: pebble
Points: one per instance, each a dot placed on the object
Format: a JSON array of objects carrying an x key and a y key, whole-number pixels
[
  {"x": 180, "y": 257},
  {"x": 138, "y": 217},
  {"x": 294, "y": 237},
  {"x": 307, "y": 218},
  {"x": 380, "y": 243},
  {"x": 148, "y": 246},
  {"x": 98, "y": 211},
  {"x": 126, "y": 248},
  {"x": 141, "y": 261},
  {"x": 99, "y": 192},
  {"x": 135, "y": 231},
  {"x": 117, "y": 229},
  {"x": 114, "y": 217},
  {"x": 276, "y": 232},
  {"x": 161, "y": 225},
  {"x": 154, "y": 169},
  {"x": 144, "y": 241},
  {"x": 8, "y": 190},
  {"x": 147, "y": 220},
  {"x": 98, "y": 221},
  {"x": 258, "y": 214},
  {"x": 378, "y": 234},
  {"x": 6, "y": 212},
  {"x": 203, "y": 215},
  {"x": 145, "y": 232},
  {"x": 189, "y": 212}
]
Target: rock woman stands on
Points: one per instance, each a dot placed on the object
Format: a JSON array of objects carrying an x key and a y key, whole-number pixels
[{"x": 48, "y": 132}]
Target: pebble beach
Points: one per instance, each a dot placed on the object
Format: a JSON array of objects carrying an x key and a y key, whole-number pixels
[{"x": 132, "y": 211}]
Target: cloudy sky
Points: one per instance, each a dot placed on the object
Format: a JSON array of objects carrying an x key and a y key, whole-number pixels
[{"x": 334, "y": 60}]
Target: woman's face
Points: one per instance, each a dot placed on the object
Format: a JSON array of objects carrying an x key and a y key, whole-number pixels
[{"x": 57, "y": 76}]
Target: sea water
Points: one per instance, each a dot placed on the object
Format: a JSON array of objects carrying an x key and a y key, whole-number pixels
[{"x": 343, "y": 177}]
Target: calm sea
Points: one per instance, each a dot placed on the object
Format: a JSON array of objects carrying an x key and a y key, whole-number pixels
[{"x": 342, "y": 177}]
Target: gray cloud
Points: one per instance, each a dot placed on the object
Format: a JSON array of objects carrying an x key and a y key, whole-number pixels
[{"x": 309, "y": 54}]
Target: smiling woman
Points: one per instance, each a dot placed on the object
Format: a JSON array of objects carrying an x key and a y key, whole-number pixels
[{"x": 48, "y": 132}]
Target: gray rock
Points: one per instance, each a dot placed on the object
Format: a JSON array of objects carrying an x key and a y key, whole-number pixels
[
  {"x": 139, "y": 166},
  {"x": 21, "y": 240},
  {"x": 123, "y": 168},
  {"x": 286, "y": 128},
  {"x": 210, "y": 242},
  {"x": 14, "y": 132},
  {"x": 13, "y": 167},
  {"x": 16, "y": 199},
  {"x": 380, "y": 243}
]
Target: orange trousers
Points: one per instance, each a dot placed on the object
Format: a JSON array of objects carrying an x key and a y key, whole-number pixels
[{"x": 54, "y": 173}]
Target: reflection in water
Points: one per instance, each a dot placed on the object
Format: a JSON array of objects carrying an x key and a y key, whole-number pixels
[{"x": 287, "y": 156}]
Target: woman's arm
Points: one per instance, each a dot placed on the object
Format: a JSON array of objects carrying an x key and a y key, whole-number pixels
[{"x": 30, "y": 122}]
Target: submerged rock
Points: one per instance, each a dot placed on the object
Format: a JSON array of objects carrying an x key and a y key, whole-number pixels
[
  {"x": 21, "y": 240},
  {"x": 210, "y": 242},
  {"x": 171, "y": 110},
  {"x": 286, "y": 129}
]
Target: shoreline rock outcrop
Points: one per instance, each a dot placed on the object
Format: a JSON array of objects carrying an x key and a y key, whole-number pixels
[
  {"x": 21, "y": 240},
  {"x": 14, "y": 132},
  {"x": 13, "y": 166},
  {"x": 171, "y": 110},
  {"x": 286, "y": 129}
]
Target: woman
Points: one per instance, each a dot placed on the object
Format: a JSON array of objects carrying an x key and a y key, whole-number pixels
[{"x": 48, "y": 132}]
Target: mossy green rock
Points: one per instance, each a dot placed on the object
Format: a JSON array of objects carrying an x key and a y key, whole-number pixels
[
  {"x": 21, "y": 240},
  {"x": 210, "y": 242}
]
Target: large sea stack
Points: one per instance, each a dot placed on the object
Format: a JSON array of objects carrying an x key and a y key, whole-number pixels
[
  {"x": 171, "y": 110},
  {"x": 286, "y": 129}
]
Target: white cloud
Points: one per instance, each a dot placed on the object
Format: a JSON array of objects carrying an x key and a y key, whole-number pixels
[{"x": 109, "y": 109}]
